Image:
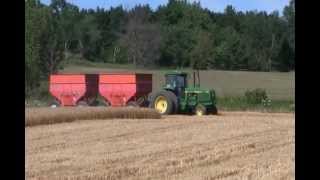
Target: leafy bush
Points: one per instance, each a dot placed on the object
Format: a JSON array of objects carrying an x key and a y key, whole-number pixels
[
  {"x": 292, "y": 107},
  {"x": 257, "y": 96}
]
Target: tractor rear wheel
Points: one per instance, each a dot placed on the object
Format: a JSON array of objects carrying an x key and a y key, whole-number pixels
[
  {"x": 174, "y": 99},
  {"x": 163, "y": 102},
  {"x": 200, "y": 110}
]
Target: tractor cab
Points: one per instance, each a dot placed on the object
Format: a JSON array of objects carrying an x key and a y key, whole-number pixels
[{"x": 176, "y": 82}]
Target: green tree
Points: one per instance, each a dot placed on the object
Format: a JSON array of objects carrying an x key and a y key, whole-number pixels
[
  {"x": 111, "y": 25},
  {"x": 34, "y": 25},
  {"x": 67, "y": 17},
  {"x": 229, "y": 49},
  {"x": 90, "y": 37},
  {"x": 181, "y": 22},
  {"x": 202, "y": 54},
  {"x": 31, "y": 55},
  {"x": 285, "y": 58},
  {"x": 176, "y": 47},
  {"x": 289, "y": 15},
  {"x": 52, "y": 43},
  {"x": 142, "y": 38}
]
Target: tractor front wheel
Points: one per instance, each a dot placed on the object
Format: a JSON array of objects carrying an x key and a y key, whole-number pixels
[
  {"x": 200, "y": 110},
  {"x": 214, "y": 110}
]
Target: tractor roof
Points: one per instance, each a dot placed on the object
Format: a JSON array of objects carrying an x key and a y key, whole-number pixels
[{"x": 177, "y": 73}]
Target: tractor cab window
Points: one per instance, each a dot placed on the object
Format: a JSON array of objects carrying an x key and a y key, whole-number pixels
[{"x": 176, "y": 81}]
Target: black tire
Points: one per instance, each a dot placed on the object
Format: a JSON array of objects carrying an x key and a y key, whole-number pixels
[
  {"x": 174, "y": 99},
  {"x": 82, "y": 104},
  {"x": 200, "y": 110},
  {"x": 105, "y": 103},
  {"x": 214, "y": 110},
  {"x": 145, "y": 103},
  {"x": 55, "y": 103},
  {"x": 132, "y": 104},
  {"x": 150, "y": 99},
  {"x": 172, "y": 96},
  {"x": 94, "y": 103},
  {"x": 167, "y": 95}
]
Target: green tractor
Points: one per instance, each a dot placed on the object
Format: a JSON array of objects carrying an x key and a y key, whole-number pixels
[{"x": 177, "y": 97}]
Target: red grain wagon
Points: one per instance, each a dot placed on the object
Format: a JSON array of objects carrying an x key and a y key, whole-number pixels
[
  {"x": 74, "y": 89},
  {"x": 125, "y": 89}
]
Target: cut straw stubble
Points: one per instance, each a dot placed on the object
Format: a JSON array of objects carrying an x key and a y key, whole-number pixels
[{"x": 41, "y": 116}]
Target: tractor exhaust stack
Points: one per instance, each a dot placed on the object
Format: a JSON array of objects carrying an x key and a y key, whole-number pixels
[{"x": 194, "y": 79}]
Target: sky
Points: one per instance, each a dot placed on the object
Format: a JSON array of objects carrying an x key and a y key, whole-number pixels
[{"x": 214, "y": 5}]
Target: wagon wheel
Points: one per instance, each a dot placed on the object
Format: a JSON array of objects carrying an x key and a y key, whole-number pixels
[
  {"x": 82, "y": 104},
  {"x": 200, "y": 110},
  {"x": 55, "y": 103},
  {"x": 92, "y": 101},
  {"x": 95, "y": 103},
  {"x": 106, "y": 103},
  {"x": 145, "y": 103},
  {"x": 132, "y": 104}
]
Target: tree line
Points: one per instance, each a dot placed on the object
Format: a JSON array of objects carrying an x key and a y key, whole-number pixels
[{"x": 179, "y": 34}]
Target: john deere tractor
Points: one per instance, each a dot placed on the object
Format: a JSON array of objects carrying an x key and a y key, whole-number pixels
[{"x": 177, "y": 97}]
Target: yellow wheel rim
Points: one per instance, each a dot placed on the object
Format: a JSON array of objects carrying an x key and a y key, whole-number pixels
[
  {"x": 199, "y": 113},
  {"x": 161, "y": 104}
]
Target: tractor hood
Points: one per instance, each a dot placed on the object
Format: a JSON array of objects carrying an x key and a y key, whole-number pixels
[{"x": 197, "y": 90}]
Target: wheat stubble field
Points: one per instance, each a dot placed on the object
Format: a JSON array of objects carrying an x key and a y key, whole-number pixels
[{"x": 234, "y": 145}]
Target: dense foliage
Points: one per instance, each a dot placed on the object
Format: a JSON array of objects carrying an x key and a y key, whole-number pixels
[{"x": 178, "y": 35}]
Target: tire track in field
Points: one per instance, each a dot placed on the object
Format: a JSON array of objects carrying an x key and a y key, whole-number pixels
[
  {"x": 204, "y": 146},
  {"x": 176, "y": 167},
  {"x": 208, "y": 159},
  {"x": 124, "y": 172},
  {"x": 131, "y": 160},
  {"x": 205, "y": 159},
  {"x": 115, "y": 138}
]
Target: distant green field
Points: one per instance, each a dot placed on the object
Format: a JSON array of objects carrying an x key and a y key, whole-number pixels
[{"x": 279, "y": 86}]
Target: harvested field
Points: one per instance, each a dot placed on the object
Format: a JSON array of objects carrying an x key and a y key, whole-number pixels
[
  {"x": 40, "y": 116},
  {"x": 234, "y": 145}
]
